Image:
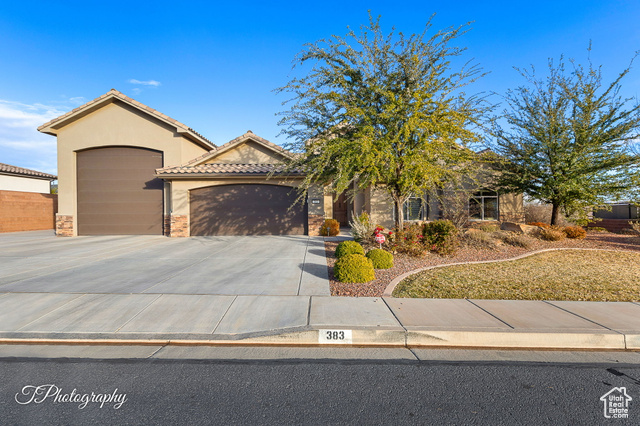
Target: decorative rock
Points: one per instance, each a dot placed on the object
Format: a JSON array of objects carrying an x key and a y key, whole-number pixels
[{"x": 519, "y": 228}]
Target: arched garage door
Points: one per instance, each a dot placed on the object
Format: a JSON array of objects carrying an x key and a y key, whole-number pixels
[
  {"x": 117, "y": 191},
  {"x": 247, "y": 209}
]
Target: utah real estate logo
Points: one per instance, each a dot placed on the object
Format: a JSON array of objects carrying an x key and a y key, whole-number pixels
[{"x": 616, "y": 403}]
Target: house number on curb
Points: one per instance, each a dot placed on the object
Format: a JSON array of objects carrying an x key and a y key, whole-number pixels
[{"x": 335, "y": 336}]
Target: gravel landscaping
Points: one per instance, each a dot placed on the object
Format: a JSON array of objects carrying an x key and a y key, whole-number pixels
[{"x": 404, "y": 263}]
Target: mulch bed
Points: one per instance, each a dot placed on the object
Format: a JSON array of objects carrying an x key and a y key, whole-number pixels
[{"x": 404, "y": 263}]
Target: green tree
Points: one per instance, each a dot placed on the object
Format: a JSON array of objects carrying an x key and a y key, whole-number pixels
[
  {"x": 382, "y": 111},
  {"x": 566, "y": 139}
]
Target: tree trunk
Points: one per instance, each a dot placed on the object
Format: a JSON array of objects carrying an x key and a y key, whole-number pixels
[
  {"x": 555, "y": 213},
  {"x": 399, "y": 214}
]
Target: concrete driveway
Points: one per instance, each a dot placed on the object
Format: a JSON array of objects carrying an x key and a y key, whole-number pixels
[{"x": 39, "y": 262}]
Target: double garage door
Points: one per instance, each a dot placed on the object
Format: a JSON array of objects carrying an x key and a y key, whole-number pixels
[
  {"x": 247, "y": 209},
  {"x": 119, "y": 195}
]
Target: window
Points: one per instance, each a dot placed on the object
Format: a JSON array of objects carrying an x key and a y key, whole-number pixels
[
  {"x": 483, "y": 205},
  {"x": 414, "y": 209}
]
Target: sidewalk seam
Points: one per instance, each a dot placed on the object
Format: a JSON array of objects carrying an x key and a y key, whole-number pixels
[
  {"x": 309, "y": 312},
  {"x": 304, "y": 264},
  {"x": 141, "y": 311},
  {"x": 50, "y": 312},
  {"x": 580, "y": 316},
  {"x": 499, "y": 319},
  {"x": 406, "y": 332},
  {"x": 224, "y": 315}
]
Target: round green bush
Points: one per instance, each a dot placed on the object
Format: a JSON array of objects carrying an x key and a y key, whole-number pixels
[
  {"x": 381, "y": 259},
  {"x": 354, "y": 268},
  {"x": 348, "y": 247}
]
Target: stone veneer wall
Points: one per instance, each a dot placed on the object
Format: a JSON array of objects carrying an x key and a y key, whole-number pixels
[
  {"x": 64, "y": 225},
  {"x": 166, "y": 226},
  {"x": 315, "y": 223},
  {"x": 179, "y": 226}
]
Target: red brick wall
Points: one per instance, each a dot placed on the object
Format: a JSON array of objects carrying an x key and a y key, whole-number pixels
[{"x": 27, "y": 211}]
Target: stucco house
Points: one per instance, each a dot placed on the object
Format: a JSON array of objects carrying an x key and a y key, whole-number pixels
[
  {"x": 26, "y": 202},
  {"x": 14, "y": 178},
  {"x": 125, "y": 168}
]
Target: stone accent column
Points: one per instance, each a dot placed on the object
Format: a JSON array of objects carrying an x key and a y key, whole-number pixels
[
  {"x": 64, "y": 225},
  {"x": 314, "y": 224},
  {"x": 179, "y": 226},
  {"x": 316, "y": 212},
  {"x": 166, "y": 226}
]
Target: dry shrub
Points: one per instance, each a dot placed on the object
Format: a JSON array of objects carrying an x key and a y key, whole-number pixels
[
  {"x": 330, "y": 228},
  {"x": 518, "y": 240},
  {"x": 540, "y": 224},
  {"x": 552, "y": 234},
  {"x": 635, "y": 227},
  {"x": 479, "y": 240},
  {"x": 489, "y": 227},
  {"x": 362, "y": 228},
  {"x": 575, "y": 232}
]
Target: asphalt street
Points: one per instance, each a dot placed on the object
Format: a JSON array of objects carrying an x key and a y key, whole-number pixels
[{"x": 312, "y": 391}]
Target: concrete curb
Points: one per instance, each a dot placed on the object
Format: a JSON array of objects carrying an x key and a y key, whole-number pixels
[
  {"x": 392, "y": 285},
  {"x": 381, "y": 338}
]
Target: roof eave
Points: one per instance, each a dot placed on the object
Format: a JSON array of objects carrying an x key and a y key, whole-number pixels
[{"x": 223, "y": 175}]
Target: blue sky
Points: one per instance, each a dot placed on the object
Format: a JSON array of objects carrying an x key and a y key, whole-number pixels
[{"x": 213, "y": 66}]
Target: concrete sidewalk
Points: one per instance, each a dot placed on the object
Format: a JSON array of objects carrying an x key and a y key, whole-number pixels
[{"x": 307, "y": 320}]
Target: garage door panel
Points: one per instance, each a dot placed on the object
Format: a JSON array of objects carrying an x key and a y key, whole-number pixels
[
  {"x": 250, "y": 209},
  {"x": 117, "y": 191},
  {"x": 121, "y": 195}
]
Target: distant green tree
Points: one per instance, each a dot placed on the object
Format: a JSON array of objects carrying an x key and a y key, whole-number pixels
[
  {"x": 567, "y": 139},
  {"x": 383, "y": 111}
]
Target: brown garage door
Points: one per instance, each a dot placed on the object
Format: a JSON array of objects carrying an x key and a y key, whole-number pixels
[
  {"x": 117, "y": 193},
  {"x": 249, "y": 209}
]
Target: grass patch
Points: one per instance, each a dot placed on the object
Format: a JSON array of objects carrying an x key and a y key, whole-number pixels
[{"x": 556, "y": 275}]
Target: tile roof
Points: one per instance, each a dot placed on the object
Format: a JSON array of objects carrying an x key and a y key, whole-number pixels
[
  {"x": 7, "y": 169},
  {"x": 249, "y": 135},
  {"x": 224, "y": 169},
  {"x": 113, "y": 93}
]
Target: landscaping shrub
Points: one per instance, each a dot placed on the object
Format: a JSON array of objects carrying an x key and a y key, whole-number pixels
[
  {"x": 361, "y": 228},
  {"x": 409, "y": 240},
  {"x": 552, "y": 234},
  {"x": 576, "y": 232},
  {"x": 330, "y": 228},
  {"x": 381, "y": 259},
  {"x": 489, "y": 227},
  {"x": 540, "y": 224},
  {"x": 477, "y": 239},
  {"x": 441, "y": 237},
  {"x": 518, "y": 240},
  {"x": 635, "y": 227},
  {"x": 346, "y": 248},
  {"x": 354, "y": 268}
]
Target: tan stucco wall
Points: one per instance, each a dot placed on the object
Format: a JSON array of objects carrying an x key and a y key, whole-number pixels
[
  {"x": 115, "y": 124},
  {"x": 247, "y": 153},
  {"x": 24, "y": 184},
  {"x": 511, "y": 207},
  {"x": 381, "y": 206}
]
